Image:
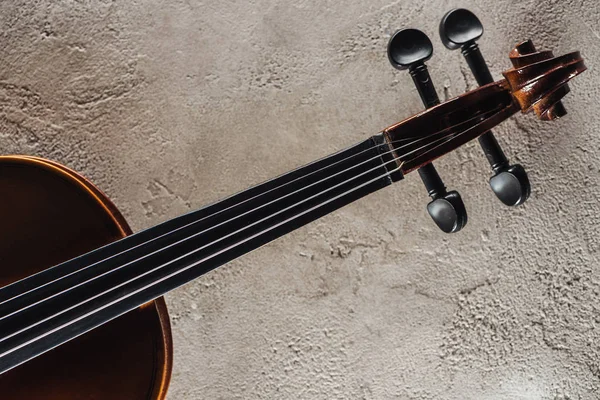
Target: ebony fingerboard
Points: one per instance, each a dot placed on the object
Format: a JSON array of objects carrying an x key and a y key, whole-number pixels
[{"x": 61, "y": 303}]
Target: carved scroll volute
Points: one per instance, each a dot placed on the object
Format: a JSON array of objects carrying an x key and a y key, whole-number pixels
[{"x": 538, "y": 80}]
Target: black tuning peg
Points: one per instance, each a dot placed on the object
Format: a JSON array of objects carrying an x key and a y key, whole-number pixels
[
  {"x": 460, "y": 28},
  {"x": 408, "y": 49}
]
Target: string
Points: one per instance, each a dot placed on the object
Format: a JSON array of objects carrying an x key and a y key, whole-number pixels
[
  {"x": 152, "y": 289},
  {"x": 179, "y": 271},
  {"x": 201, "y": 232}
]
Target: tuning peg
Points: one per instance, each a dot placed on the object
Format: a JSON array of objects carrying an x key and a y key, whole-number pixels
[
  {"x": 460, "y": 28},
  {"x": 408, "y": 49}
]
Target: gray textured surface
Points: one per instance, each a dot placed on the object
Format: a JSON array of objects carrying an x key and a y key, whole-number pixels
[{"x": 168, "y": 105}]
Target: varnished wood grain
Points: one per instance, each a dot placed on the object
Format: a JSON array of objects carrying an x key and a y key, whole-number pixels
[
  {"x": 50, "y": 214},
  {"x": 537, "y": 81}
]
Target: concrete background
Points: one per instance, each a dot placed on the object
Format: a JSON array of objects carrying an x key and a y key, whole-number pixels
[{"x": 168, "y": 105}]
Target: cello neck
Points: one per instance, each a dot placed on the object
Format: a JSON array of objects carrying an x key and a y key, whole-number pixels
[{"x": 47, "y": 309}]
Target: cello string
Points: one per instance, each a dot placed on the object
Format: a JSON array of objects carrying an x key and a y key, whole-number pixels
[
  {"x": 202, "y": 247},
  {"x": 129, "y": 294},
  {"x": 228, "y": 248}
]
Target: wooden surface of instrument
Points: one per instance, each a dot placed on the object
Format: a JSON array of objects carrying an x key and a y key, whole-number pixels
[{"x": 50, "y": 214}]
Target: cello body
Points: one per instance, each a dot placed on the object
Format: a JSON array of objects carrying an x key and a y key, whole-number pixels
[{"x": 50, "y": 214}]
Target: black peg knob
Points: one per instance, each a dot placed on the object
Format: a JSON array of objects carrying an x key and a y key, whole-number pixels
[
  {"x": 511, "y": 185},
  {"x": 408, "y": 49},
  {"x": 446, "y": 208},
  {"x": 460, "y": 28}
]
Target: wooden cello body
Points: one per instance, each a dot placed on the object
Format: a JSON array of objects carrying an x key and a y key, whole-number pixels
[{"x": 50, "y": 214}]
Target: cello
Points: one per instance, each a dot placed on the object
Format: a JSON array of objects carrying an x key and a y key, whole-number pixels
[{"x": 81, "y": 312}]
